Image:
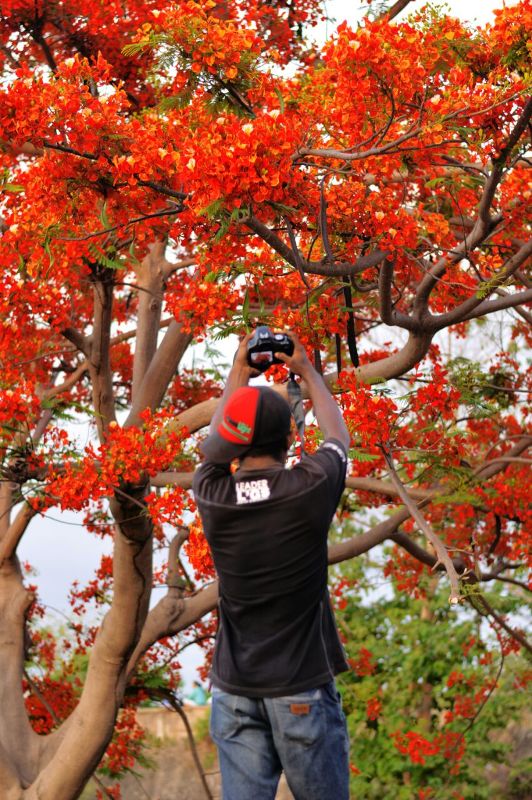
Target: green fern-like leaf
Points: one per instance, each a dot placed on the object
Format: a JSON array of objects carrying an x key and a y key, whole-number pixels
[{"x": 359, "y": 455}]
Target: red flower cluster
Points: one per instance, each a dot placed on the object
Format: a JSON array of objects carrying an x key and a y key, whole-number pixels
[
  {"x": 364, "y": 664},
  {"x": 415, "y": 746},
  {"x": 198, "y": 551}
]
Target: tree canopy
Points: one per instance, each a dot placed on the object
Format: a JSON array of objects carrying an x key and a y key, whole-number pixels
[{"x": 172, "y": 173}]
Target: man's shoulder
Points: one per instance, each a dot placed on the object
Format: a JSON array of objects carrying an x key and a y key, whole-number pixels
[
  {"x": 336, "y": 447},
  {"x": 330, "y": 453},
  {"x": 208, "y": 475},
  {"x": 327, "y": 466}
]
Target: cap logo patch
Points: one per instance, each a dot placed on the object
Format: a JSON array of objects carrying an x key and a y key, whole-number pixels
[{"x": 238, "y": 429}]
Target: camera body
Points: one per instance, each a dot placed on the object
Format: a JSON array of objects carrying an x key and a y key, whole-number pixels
[{"x": 262, "y": 346}]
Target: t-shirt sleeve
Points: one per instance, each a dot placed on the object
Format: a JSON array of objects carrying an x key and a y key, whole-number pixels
[{"x": 331, "y": 456}]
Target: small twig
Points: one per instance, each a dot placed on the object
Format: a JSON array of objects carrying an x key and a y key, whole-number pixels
[
  {"x": 196, "y": 641},
  {"x": 131, "y": 499},
  {"x": 297, "y": 255},
  {"x": 168, "y": 696},
  {"x": 484, "y": 607},
  {"x": 498, "y": 531},
  {"x": 102, "y": 786},
  {"x": 506, "y": 579},
  {"x": 42, "y": 699},
  {"x": 323, "y": 222},
  {"x": 442, "y": 554},
  {"x": 166, "y": 212}
]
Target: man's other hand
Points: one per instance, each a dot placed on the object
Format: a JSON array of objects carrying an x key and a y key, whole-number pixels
[
  {"x": 298, "y": 362},
  {"x": 240, "y": 362}
]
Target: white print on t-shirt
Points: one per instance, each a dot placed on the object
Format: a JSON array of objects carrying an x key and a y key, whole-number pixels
[
  {"x": 252, "y": 491},
  {"x": 333, "y": 446}
]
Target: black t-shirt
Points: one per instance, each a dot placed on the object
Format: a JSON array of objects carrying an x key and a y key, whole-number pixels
[{"x": 268, "y": 530}]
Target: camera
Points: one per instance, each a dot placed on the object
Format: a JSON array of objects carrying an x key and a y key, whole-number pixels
[{"x": 262, "y": 346}]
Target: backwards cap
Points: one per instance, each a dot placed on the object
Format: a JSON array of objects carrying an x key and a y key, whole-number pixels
[{"x": 253, "y": 416}]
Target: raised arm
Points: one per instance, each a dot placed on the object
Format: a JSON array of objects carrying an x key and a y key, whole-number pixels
[
  {"x": 328, "y": 415},
  {"x": 239, "y": 375}
]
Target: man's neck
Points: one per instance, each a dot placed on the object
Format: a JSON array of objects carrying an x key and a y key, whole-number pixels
[{"x": 259, "y": 462}]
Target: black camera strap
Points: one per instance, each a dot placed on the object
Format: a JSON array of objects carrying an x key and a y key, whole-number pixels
[{"x": 295, "y": 401}]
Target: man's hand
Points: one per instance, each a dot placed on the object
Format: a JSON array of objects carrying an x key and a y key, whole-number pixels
[
  {"x": 298, "y": 362},
  {"x": 240, "y": 362}
]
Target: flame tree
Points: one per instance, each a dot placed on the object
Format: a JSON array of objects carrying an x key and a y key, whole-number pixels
[{"x": 173, "y": 172}]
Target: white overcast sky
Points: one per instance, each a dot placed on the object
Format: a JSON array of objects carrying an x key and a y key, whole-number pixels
[
  {"x": 476, "y": 11},
  {"x": 58, "y": 547}
]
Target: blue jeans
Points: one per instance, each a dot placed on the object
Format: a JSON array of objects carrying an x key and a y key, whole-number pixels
[{"x": 303, "y": 735}]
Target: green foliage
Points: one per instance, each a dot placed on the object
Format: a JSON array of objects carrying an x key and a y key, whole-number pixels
[
  {"x": 414, "y": 645},
  {"x": 360, "y": 455},
  {"x": 483, "y": 392},
  {"x": 108, "y": 259},
  {"x": 169, "y": 54},
  {"x": 6, "y": 185}
]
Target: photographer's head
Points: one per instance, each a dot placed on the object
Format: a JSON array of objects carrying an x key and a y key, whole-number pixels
[{"x": 256, "y": 422}]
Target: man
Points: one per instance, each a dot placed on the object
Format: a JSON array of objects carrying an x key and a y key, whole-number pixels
[
  {"x": 197, "y": 695},
  {"x": 274, "y": 702}
]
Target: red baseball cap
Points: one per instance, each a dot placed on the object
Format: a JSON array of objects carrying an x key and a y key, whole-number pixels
[{"x": 254, "y": 416}]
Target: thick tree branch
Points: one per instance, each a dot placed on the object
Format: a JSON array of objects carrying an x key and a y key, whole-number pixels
[
  {"x": 322, "y": 267},
  {"x": 9, "y": 781},
  {"x": 480, "y": 232},
  {"x": 500, "y": 162},
  {"x": 181, "y": 479},
  {"x": 171, "y": 615},
  {"x": 349, "y": 156},
  {"x": 395, "y": 365},
  {"x": 9, "y": 542},
  {"x": 68, "y": 383},
  {"x": 476, "y": 305},
  {"x": 17, "y": 739},
  {"x": 169, "y": 267},
  {"x": 415, "y": 349},
  {"x": 396, "y": 9},
  {"x": 90, "y": 726},
  {"x": 386, "y": 488},
  {"x": 99, "y": 356},
  {"x": 38, "y": 38},
  {"x": 388, "y": 314},
  {"x": 162, "y": 189},
  {"x": 184, "y": 481},
  {"x": 526, "y": 315},
  {"x": 494, "y": 465},
  {"x": 79, "y": 341},
  {"x": 484, "y": 224},
  {"x": 175, "y": 613},
  {"x": 150, "y": 280},
  {"x": 507, "y": 301},
  {"x": 362, "y": 543},
  {"x": 162, "y": 368},
  {"x": 169, "y": 610}
]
